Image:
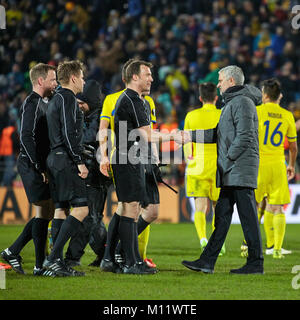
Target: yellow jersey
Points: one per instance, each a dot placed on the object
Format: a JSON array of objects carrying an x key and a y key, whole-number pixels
[
  {"x": 200, "y": 178},
  {"x": 275, "y": 123},
  {"x": 206, "y": 117}
]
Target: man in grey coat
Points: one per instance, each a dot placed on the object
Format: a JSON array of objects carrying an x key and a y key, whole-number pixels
[{"x": 237, "y": 167}]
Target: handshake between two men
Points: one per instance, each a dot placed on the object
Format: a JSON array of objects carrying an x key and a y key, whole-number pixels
[{"x": 148, "y": 135}]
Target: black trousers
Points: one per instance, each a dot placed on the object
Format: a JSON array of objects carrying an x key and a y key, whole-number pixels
[
  {"x": 92, "y": 231},
  {"x": 244, "y": 198}
]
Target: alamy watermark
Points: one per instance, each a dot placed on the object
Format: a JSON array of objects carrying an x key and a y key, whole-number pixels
[
  {"x": 296, "y": 278},
  {"x": 2, "y": 18},
  {"x": 135, "y": 147},
  {"x": 296, "y": 17},
  {"x": 2, "y": 278}
]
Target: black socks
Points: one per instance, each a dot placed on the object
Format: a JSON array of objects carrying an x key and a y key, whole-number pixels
[
  {"x": 127, "y": 232},
  {"x": 112, "y": 238},
  {"x": 23, "y": 238},
  {"x": 39, "y": 236},
  {"x": 55, "y": 228},
  {"x": 68, "y": 229}
]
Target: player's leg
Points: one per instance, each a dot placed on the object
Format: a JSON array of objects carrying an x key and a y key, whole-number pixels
[
  {"x": 98, "y": 235},
  {"x": 223, "y": 250},
  {"x": 269, "y": 229},
  {"x": 279, "y": 225},
  {"x": 143, "y": 239},
  {"x": 36, "y": 191},
  {"x": 202, "y": 205},
  {"x": 147, "y": 216},
  {"x": 44, "y": 213},
  {"x": 12, "y": 254},
  {"x": 108, "y": 261},
  {"x": 79, "y": 241},
  {"x": 128, "y": 232},
  {"x": 279, "y": 195},
  {"x": 261, "y": 209},
  {"x": 68, "y": 229},
  {"x": 214, "y": 196}
]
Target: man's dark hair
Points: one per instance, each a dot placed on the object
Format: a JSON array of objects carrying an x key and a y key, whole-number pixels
[
  {"x": 135, "y": 68},
  {"x": 68, "y": 68},
  {"x": 207, "y": 91},
  {"x": 272, "y": 88}
]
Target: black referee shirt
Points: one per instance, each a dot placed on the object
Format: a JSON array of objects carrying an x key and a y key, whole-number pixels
[
  {"x": 134, "y": 113},
  {"x": 63, "y": 124},
  {"x": 34, "y": 141}
]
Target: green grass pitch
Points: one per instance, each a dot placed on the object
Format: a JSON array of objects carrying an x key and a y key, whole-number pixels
[{"x": 169, "y": 245}]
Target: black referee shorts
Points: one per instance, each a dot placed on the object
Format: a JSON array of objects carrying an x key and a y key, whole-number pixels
[
  {"x": 65, "y": 183},
  {"x": 130, "y": 182},
  {"x": 152, "y": 192},
  {"x": 36, "y": 190}
]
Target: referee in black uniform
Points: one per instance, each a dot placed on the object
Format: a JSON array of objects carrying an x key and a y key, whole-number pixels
[
  {"x": 93, "y": 230},
  {"x": 131, "y": 113},
  {"x": 67, "y": 170},
  {"x": 34, "y": 149}
]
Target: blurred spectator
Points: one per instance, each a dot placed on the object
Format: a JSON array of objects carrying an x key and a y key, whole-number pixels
[{"x": 8, "y": 152}]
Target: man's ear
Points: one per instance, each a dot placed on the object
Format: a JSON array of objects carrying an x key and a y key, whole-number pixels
[{"x": 40, "y": 81}]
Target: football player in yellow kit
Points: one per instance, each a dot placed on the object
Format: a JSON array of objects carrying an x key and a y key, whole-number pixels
[
  {"x": 275, "y": 123},
  {"x": 201, "y": 160}
]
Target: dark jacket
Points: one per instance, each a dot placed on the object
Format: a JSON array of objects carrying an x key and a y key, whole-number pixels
[
  {"x": 34, "y": 141},
  {"x": 63, "y": 124},
  {"x": 91, "y": 128},
  {"x": 237, "y": 138}
]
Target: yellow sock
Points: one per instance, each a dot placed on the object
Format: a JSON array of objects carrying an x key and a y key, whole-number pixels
[
  {"x": 260, "y": 213},
  {"x": 213, "y": 223},
  {"x": 200, "y": 224},
  {"x": 279, "y": 230},
  {"x": 143, "y": 242},
  {"x": 268, "y": 227}
]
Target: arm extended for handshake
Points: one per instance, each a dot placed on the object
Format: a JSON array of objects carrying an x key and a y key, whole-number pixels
[{"x": 146, "y": 133}]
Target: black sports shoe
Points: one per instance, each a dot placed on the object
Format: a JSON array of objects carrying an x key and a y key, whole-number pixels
[
  {"x": 57, "y": 266},
  {"x": 248, "y": 269},
  {"x": 15, "y": 261},
  {"x": 75, "y": 273},
  {"x": 72, "y": 263},
  {"x": 138, "y": 268},
  {"x": 110, "y": 266},
  {"x": 198, "y": 265},
  {"x": 146, "y": 268},
  {"x": 43, "y": 272}
]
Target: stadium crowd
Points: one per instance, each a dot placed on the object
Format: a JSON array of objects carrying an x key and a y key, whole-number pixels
[{"x": 188, "y": 42}]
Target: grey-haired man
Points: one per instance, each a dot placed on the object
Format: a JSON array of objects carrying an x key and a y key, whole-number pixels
[{"x": 236, "y": 136}]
